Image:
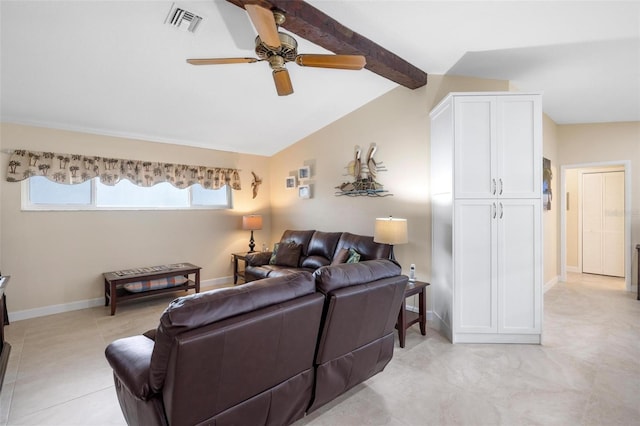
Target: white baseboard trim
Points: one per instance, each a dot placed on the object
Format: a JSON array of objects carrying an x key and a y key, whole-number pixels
[
  {"x": 572, "y": 269},
  {"x": 549, "y": 284},
  {"x": 92, "y": 303}
]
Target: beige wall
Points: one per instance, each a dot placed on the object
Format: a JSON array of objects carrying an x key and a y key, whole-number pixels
[
  {"x": 56, "y": 258},
  {"x": 398, "y": 122},
  {"x": 607, "y": 142}
]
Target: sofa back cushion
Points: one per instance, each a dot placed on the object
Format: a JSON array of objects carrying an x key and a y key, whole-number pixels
[
  {"x": 321, "y": 249},
  {"x": 365, "y": 246},
  {"x": 298, "y": 237},
  {"x": 198, "y": 310}
]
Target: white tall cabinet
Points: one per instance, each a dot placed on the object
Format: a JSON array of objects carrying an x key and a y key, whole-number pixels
[{"x": 486, "y": 178}]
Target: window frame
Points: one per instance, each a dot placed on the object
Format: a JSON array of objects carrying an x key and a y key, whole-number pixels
[{"x": 27, "y": 205}]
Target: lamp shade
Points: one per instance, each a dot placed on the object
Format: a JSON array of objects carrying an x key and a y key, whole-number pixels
[
  {"x": 389, "y": 230},
  {"x": 252, "y": 222}
]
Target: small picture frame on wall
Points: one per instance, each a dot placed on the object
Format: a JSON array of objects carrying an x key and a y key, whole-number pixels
[
  {"x": 290, "y": 182},
  {"x": 304, "y": 173},
  {"x": 304, "y": 192}
]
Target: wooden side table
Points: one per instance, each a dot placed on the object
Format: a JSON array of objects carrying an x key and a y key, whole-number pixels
[
  {"x": 239, "y": 273},
  {"x": 407, "y": 318}
]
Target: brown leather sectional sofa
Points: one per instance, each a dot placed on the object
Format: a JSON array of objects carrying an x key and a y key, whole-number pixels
[
  {"x": 263, "y": 353},
  {"x": 316, "y": 249}
]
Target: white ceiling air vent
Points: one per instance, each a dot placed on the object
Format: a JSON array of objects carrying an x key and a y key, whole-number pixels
[{"x": 183, "y": 19}]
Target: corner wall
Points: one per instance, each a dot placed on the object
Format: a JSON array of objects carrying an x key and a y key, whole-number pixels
[{"x": 56, "y": 259}]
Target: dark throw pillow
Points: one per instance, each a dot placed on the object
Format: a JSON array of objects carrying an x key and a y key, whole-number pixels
[
  {"x": 341, "y": 257},
  {"x": 288, "y": 254}
]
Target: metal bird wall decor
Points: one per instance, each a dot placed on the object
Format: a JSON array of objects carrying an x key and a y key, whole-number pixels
[{"x": 255, "y": 184}]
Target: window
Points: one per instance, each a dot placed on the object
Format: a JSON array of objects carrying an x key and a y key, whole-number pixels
[{"x": 39, "y": 193}]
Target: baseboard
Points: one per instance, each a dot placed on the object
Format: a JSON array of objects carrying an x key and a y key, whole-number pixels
[
  {"x": 549, "y": 284},
  {"x": 572, "y": 269},
  {"x": 440, "y": 326},
  {"x": 92, "y": 303}
]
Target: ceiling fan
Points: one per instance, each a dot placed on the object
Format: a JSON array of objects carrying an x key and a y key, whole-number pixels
[{"x": 278, "y": 48}]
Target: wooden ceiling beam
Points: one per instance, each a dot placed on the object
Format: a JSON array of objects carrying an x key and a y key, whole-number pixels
[{"x": 317, "y": 27}]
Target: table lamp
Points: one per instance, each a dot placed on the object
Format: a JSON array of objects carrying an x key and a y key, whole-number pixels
[
  {"x": 390, "y": 230},
  {"x": 252, "y": 223}
]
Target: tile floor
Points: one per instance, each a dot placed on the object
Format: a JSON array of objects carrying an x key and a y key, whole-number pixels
[{"x": 587, "y": 372}]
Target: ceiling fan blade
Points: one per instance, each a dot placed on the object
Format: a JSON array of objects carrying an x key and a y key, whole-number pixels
[
  {"x": 219, "y": 61},
  {"x": 265, "y": 24},
  {"x": 283, "y": 82},
  {"x": 345, "y": 62}
]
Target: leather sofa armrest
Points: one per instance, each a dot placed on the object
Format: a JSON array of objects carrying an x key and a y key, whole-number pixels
[
  {"x": 130, "y": 358},
  {"x": 258, "y": 258}
]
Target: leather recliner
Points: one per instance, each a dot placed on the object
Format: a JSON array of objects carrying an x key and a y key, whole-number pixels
[
  {"x": 240, "y": 355},
  {"x": 357, "y": 338}
]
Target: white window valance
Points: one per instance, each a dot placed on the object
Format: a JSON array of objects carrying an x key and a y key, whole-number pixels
[{"x": 73, "y": 168}]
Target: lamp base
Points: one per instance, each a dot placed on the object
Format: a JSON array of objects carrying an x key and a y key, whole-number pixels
[
  {"x": 391, "y": 255},
  {"x": 252, "y": 243}
]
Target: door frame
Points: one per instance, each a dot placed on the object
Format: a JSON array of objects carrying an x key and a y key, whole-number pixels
[{"x": 626, "y": 165}]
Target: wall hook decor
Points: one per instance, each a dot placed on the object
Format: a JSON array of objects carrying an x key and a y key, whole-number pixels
[{"x": 364, "y": 174}]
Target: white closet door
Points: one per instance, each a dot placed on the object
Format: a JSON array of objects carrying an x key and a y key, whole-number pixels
[
  {"x": 613, "y": 224},
  {"x": 603, "y": 223},
  {"x": 475, "y": 271},
  {"x": 519, "y": 271},
  {"x": 475, "y": 162},
  {"x": 519, "y": 147}
]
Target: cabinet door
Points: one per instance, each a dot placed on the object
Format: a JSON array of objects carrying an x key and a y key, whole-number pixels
[
  {"x": 519, "y": 146},
  {"x": 475, "y": 266},
  {"x": 474, "y": 167},
  {"x": 519, "y": 266}
]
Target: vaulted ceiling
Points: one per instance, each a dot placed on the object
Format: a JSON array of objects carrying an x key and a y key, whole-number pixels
[{"x": 116, "y": 67}]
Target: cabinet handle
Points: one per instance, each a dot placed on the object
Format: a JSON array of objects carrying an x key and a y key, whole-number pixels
[
  {"x": 493, "y": 186},
  {"x": 495, "y": 210},
  {"x": 501, "y": 210},
  {"x": 500, "y": 180}
]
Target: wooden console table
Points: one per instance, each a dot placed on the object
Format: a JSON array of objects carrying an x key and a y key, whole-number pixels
[{"x": 113, "y": 281}]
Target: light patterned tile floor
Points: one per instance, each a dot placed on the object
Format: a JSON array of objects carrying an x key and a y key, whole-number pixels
[{"x": 586, "y": 372}]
